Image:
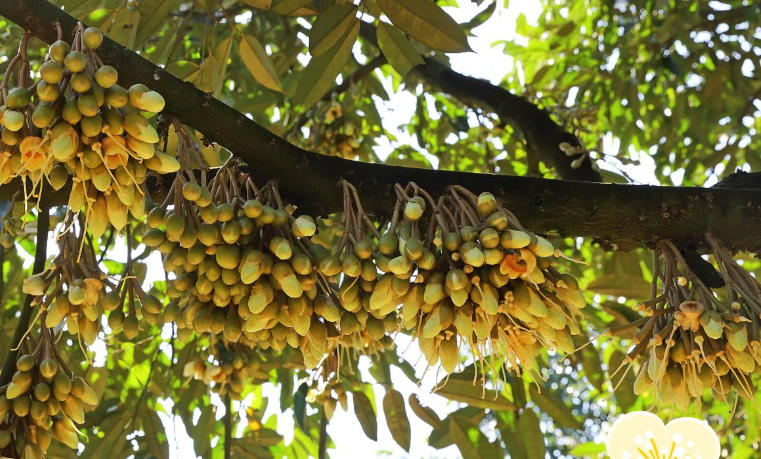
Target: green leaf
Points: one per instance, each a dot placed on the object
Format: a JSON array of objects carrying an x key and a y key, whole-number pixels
[
  {"x": 624, "y": 392},
  {"x": 208, "y": 74},
  {"x": 153, "y": 13},
  {"x": 626, "y": 285},
  {"x": 396, "y": 417},
  {"x": 508, "y": 427},
  {"x": 123, "y": 29},
  {"x": 113, "y": 440},
  {"x": 330, "y": 26},
  {"x": 222, "y": 56},
  {"x": 399, "y": 51},
  {"x": 247, "y": 448},
  {"x": 517, "y": 389},
  {"x": 440, "y": 438},
  {"x": 184, "y": 70},
  {"x": 481, "y": 17},
  {"x": 425, "y": 413},
  {"x": 587, "y": 450},
  {"x": 286, "y": 7},
  {"x": 554, "y": 407},
  {"x": 590, "y": 361},
  {"x": 427, "y": 23},
  {"x": 257, "y": 62},
  {"x": 321, "y": 72},
  {"x": 264, "y": 437},
  {"x": 286, "y": 388},
  {"x": 203, "y": 430},
  {"x": 259, "y": 4},
  {"x": 155, "y": 435},
  {"x": 471, "y": 442},
  {"x": 300, "y": 406},
  {"x": 365, "y": 412},
  {"x": 464, "y": 391},
  {"x": 533, "y": 438}
]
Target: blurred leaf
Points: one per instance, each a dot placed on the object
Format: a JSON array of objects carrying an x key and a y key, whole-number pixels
[
  {"x": 587, "y": 450},
  {"x": 286, "y": 7},
  {"x": 481, "y": 17},
  {"x": 259, "y": 4},
  {"x": 396, "y": 418},
  {"x": 590, "y": 360},
  {"x": 425, "y": 413},
  {"x": 465, "y": 391},
  {"x": 300, "y": 406},
  {"x": 530, "y": 430},
  {"x": 155, "y": 435},
  {"x": 625, "y": 285},
  {"x": 508, "y": 426},
  {"x": 624, "y": 380},
  {"x": 365, "y": 412},
  {"x": 471, "y": 442},
  {"x": 551, "y": 404},
  {"x": 264, "y": 437}
]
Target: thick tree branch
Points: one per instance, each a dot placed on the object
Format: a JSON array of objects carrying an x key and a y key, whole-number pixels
[
  {"x": 310, "y": 180},
  {"x": 542, "y": 133}
]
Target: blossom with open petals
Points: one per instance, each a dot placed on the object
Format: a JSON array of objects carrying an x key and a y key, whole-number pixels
[{"x": 33, "y": 153}]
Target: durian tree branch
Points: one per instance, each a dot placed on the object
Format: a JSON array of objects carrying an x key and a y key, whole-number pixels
[
  {"x": 541, "y": 132},
  {"x": 311, "y": 181}
]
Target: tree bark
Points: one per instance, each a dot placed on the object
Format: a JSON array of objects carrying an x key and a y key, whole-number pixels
[{"x": 311, "y": 181}]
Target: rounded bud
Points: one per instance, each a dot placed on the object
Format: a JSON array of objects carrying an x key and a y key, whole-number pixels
[
  {"x": 51, "y": 72},
  {"x": 59, "y": 50},
  {"x": 75, "y": 61},
  {"x": 92, "y": 37},
  {"x": 106, "y": 76}
]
